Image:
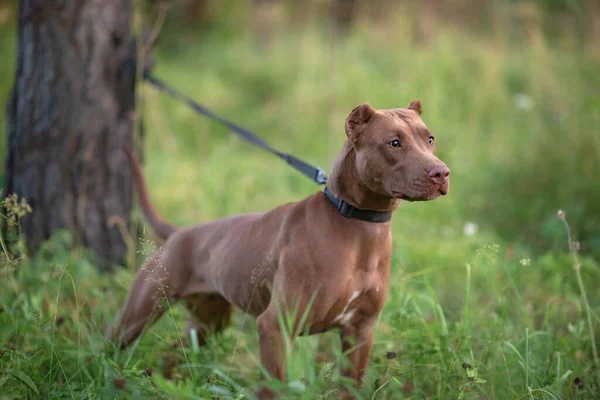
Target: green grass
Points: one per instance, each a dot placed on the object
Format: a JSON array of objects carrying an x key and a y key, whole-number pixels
[{"x": 496, "y": 315}]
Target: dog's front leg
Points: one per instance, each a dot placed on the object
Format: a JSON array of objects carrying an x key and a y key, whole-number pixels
[
  {"x": 272, "y": 349},
  {"x": 357, "y": 342}
]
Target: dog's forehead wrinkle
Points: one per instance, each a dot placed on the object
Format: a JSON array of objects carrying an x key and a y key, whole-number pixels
[
  {"x": 391, "y": 124},
  {"x": 402, "y": 113},
  {"x": 407, "y": 120},
  {"x": 419, "y": 128}
]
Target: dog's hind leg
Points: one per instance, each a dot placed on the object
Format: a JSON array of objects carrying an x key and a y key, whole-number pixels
[
  {"x": 209, "y": 314},
  {"x": 145, "y": 302}
]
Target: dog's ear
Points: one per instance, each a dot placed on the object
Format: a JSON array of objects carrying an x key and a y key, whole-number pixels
[
  {"x": 415, "y": 105},
  {"x": 357, "y": 120}
]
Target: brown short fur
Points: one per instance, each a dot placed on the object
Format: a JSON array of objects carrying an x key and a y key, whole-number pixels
[{"x": 263, "y": 261}]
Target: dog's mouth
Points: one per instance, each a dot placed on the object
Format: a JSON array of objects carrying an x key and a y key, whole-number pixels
[
  {"x": 430, "y": 192},
  {"x": 444, "y": 189}
]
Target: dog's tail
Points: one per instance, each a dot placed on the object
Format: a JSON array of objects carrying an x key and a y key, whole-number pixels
[{"x": 161, "y": 228}]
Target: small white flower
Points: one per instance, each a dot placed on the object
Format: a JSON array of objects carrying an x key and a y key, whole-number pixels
[
  {"x": 523, "y": 101},
  {"x": 470, "y": 229},
  {"x": 525, "y": 262}
]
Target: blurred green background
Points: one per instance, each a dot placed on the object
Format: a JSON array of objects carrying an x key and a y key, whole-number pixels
[{"x": 511, "y": 90}]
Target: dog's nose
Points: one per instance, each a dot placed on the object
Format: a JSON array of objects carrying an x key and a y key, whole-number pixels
[{"x": 438, "y": 173}]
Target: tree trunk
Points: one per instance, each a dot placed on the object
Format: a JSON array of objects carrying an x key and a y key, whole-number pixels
[{"x": 70, "y": 114}]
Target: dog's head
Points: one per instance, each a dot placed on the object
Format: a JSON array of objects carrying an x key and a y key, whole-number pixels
[{"x": 395, "y": 153}]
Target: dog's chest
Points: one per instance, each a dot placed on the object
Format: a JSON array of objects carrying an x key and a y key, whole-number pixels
[
  {"x": 365, "y": 273},
  {"x": 362, "y": 298},
  {"x": 345, "y": 316}
]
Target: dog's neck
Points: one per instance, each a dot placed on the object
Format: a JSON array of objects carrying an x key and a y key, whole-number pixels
[{"x": 345, "y": 182}]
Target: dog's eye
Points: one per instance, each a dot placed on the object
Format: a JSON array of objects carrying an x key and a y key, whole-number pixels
[
  {"x": 394, "y": 144},
  {"x": 431, "y": 139}
]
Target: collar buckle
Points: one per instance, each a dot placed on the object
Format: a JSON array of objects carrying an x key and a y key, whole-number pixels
[{"x": 345, "y": 209}]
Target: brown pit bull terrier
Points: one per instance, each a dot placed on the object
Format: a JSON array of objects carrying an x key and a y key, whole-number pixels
[{"x": 335, "y": 244}]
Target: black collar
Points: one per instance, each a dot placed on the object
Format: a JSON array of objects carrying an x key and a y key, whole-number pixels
[{"x": 349, "y": 211}]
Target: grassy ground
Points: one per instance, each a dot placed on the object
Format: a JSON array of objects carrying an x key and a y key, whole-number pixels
[{"x": 494, "y": 312}]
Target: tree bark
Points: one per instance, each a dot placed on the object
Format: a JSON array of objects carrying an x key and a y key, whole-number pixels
[{"x": 70, "y": 114}]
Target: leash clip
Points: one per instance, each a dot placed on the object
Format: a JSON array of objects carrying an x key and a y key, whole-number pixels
[
  {"x": 320, "y": 177},
  {"x": 346, "y": 209}
]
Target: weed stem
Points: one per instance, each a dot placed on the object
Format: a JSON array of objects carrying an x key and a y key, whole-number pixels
[{"x": 574, "y": 248}]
